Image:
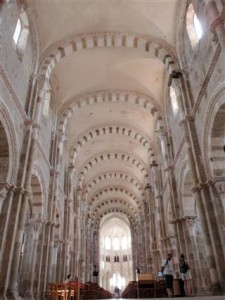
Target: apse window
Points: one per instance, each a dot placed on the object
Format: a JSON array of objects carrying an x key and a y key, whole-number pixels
[
  {"x": 21, "y": 33},
  {"x": 194, "y": 28}
]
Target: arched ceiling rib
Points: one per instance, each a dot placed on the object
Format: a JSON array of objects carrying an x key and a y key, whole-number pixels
[
  {"x": 110, "y": 202},
  {"x": 119, "y": 209},
  {"x": 156, "y": 48},
  {"x": 113, "y": 190},
  {"x": 109, "y": 218},
  {"x": 108, "y": 96},
  {"x": 133, "y": 162},
  {"x": 99, "y": 131},
  {"x": 114, "y": 176},
  {"x": 107, "y": 64}
]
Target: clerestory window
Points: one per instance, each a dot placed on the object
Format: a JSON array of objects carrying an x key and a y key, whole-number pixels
[
  {"x": 173, "y": 99},
  {"x": 193, "y": 25},
  {"x": 21, "y": 33}
]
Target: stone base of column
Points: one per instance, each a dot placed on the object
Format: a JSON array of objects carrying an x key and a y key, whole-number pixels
[
  {"x": 28, "y": 296},
  {"x": 217, "y": 289},
  {"x": 213, "y": 290},
  {"x": 203, "y": 291},
  {"x": 12, "y": 295}
]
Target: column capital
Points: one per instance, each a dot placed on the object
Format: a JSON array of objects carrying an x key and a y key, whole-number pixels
[
  {"x": 195, "y": 189},
  {"x": 183, "y": 219},
  {"x": 203, "y": 185},
  {"x": 186, "y": 119},
  {"x": 29, "y": 123},
  {"x": 54, "y": 171}
]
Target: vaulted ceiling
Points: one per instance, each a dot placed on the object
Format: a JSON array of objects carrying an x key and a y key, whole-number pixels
[{"x": 107, "y": 62}]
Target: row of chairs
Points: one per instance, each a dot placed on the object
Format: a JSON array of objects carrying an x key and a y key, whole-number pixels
[{"x": 76, "y": 290}]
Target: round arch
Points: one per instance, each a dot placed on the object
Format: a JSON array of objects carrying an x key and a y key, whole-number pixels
[
  {"x": 87, "y": 136},
  {"x": 102, "y": 96},
  {"x": 111, "y": 156},
  {"x": 157, "y": 48},
  {"x": 213, "y": 129},
  {"x": 114, "y": 175},
  {"x": 9, "y": 146}
]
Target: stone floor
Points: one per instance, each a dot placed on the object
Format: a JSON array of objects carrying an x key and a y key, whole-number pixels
[{"x": 187, "y": 298}]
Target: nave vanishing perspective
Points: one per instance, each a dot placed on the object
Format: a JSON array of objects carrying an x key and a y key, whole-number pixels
[{"x": 112, "y": 142}]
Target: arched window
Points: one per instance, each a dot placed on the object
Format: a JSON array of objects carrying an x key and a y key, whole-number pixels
[
  {"x": 107, "y": 243},
  {"x": 116, "y": 243},
  {"x": 21, "y": 33},
  {"x": 194, "y": 28},
  {"x": 173, "y": 99}
]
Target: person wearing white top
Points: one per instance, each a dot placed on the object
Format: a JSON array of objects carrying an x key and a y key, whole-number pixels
[{"x": 167, "y": 269}]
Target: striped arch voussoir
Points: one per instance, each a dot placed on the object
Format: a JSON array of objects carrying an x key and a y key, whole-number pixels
[
  {"x": 107, "y": 96},
  {"x": 113, "y": 189},
  {"x": 112, "y": 156},
  {"x": 106, "y": 130},
  {"x": 61, "y": 49},
  {"x": 113, "y": 175},
  {"x": 116, "y": 210}
]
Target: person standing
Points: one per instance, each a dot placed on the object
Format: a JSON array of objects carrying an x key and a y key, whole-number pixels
[
  {"x": 167, "y": 270},
  {"x": 185, "y": 273}
]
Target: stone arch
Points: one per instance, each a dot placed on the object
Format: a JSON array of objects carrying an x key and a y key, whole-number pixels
[
  {"x": 109, "y": 156},
  {"x": 188, "y": 205},
  {"x": 9, "y": 147},
  {"x": 4, "y": 154},
  {"x": 39, "y": 173},
  {"x": 34, "y": 215},
  {"x": 113, "y": 175},
  {"x": 101, "y": 96},
  {"x": 117, "y": 188},
  {"x": 191, "y": 224},
  {"x": 36, "y": 197},
  {"x": 213, "y": 139},
  {"x": 115, "y": 211},
  {"x": 215, "y": 133},
  {"x": 111, "y": 129},
  {"x": 157, "y": 48},
  {"x": 112, "y": 203}
]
